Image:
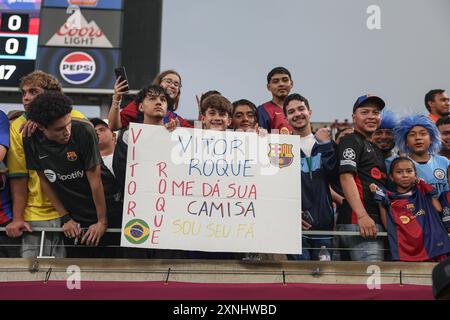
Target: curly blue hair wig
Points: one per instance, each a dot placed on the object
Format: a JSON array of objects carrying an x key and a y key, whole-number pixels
[
  {"x": 389, "y": 120},
  {"x": 409, "y": 122}
]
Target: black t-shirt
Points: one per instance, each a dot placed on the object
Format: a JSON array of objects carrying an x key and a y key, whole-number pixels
[
  {"x": 65, "y": 165},
  {"x": 359, "y": 156},
  {"x": 120, "y": 159}
]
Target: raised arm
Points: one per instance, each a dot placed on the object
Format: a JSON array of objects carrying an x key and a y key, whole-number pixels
[{"x": 114, "y": 112}]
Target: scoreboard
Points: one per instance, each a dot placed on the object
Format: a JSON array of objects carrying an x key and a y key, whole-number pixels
[
  {"x": 80, "y": 42},
  {"x": 19, "y": 31}
]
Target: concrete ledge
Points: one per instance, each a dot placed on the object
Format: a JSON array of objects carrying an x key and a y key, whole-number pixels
[{"x": 216, "y": 271}]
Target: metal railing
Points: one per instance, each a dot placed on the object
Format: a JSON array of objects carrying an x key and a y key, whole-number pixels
[
  {"x": 43, "y": 230},
  {"x": 403, "y": 273}
]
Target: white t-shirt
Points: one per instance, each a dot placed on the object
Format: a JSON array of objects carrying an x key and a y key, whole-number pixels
[
  {"x": 307, "y": 143},
  {"x": 108, "y": 161}
]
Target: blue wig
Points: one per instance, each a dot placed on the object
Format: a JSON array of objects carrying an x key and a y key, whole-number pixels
[
  {"x": 389, "y": 120},
  {"x": 409, "y": 122}
]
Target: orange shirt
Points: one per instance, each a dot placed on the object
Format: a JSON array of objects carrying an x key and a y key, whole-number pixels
[{"x": 433, "y": 117}]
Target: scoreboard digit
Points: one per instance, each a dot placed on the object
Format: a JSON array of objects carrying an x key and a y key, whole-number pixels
[
  {"x": 6, "y": 71},
  {"x": 13, "y": 46},
  {"x": 12, "y": 70},
  {"x": 15, "y": 22}
]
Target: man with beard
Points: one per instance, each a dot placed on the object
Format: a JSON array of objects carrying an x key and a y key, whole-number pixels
[
  {"x": 362, "y": 163},
  {"x": 443, "y": 125},
  {"x": 437, "y": 103},
  {"x": 270, "y": 114},
  {"x": 384, "y": 138},
  {"x": 318, "y": 161}
]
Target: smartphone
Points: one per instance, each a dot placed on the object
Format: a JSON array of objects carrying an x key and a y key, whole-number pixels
[
  {"x": 306, "y": 215},
  {"x": 121, "y": 73}
]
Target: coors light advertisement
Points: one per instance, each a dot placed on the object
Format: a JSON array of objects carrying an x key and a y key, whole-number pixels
[{"x": 81, "y": 28}]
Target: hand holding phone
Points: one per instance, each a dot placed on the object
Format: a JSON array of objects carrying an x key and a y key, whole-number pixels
[
  {"x": 121, "y": 85},
  {"x": 307, "y": 217}
]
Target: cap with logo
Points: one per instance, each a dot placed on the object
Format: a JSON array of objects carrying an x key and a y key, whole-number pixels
[
  {"x": 97, "y": 121},
  {"x": 362, "y": 100}
]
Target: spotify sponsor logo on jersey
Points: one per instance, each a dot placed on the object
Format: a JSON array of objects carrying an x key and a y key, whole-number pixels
[{"x": 52, "y": 176}]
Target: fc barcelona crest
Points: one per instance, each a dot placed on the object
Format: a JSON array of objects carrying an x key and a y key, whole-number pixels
[
  {"x": 72, "y": 156},
  {"x": 281, "y": 155}
]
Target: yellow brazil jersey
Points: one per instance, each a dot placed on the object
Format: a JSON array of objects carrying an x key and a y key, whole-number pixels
[{"x": 39, "y": 207}]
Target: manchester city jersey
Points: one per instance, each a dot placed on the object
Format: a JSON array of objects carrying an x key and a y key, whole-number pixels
[{"x": 434, "y": 172}]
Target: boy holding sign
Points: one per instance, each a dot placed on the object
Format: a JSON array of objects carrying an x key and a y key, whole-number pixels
[{"x": 152, "y": 107}]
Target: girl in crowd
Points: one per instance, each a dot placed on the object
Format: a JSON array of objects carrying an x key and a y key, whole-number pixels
[
  {"x": 411, "y": 216},
  {"x": 170, "y": 80}
]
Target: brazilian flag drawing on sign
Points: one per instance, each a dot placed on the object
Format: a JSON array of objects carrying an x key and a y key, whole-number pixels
[{"x": 137, "y": 231}]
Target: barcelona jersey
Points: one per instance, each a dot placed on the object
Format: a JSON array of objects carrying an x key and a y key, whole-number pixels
[
  {"x": 415, "y": 229},
  {"x": 271, "y": 116}
]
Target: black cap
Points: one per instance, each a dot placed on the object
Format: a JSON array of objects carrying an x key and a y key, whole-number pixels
[
  {"x": 441, "y": 278},
  {"x": 368, "y": 98},
  {"x": 97, "y": 121}
]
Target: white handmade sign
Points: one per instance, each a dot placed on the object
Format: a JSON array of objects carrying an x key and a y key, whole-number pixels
[{"x": 205, "y": 190}]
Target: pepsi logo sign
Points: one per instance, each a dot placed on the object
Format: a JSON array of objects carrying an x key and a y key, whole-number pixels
[{"x": 77, "y": 67}]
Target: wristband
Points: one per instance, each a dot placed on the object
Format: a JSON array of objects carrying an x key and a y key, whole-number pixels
[
  {"x": 116, "y": 100},
  {"x": 65, "y": 218}
]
